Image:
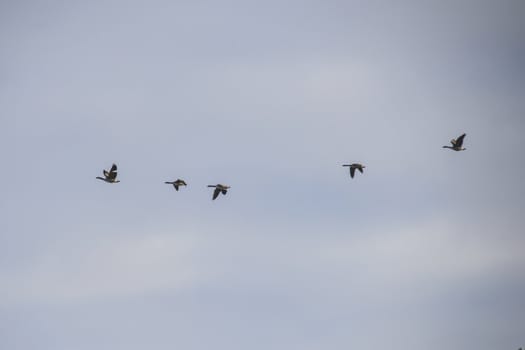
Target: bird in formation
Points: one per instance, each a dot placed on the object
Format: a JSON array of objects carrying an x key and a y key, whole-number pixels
[
  {"x": 457, "y": 144},
  {"x": 110, "y": 176},
  {"x": 353, "y": 167},
  {"x": 176, "y": 183},
  {"x": 218, "y": 189}
]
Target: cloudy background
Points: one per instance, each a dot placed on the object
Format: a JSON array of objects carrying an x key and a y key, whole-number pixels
[{"x": 424, "y": 250}]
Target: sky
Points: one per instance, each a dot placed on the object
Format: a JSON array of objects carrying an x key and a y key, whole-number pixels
[{"x": 423, "y": 250}]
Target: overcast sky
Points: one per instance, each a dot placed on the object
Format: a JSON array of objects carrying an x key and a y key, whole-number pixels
[{"x": 425, "y": 250}]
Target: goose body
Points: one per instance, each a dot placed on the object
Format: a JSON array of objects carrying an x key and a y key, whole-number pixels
[
  {"x": 353, "y": 168},
  {"x": 110, "y": 176},
  {"x": 457, "y": 144},
  {"x": 218, "y": 189},
  {"x": 177, "y": 183}
]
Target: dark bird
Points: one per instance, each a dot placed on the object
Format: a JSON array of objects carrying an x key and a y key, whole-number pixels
[
  {"x": 110, "y": 176},
  {"x": 176, "y": 183},
  {"x": 218, "y": 189},
  {"x": 353, "y": 167},
  {"x": 457, "y": 143}
]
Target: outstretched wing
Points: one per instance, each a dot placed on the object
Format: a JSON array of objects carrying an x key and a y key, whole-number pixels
[
  {"x": 112, "y": 175},
  {"x": 352, "y": 172},
  {"x": 459, "y": 140},
  {"x": 360, "y": 168},
  {"x": 216, "y": 193},
  {"x": 176, "y": 187}
]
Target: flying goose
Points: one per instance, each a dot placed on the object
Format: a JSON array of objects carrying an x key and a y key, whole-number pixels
[
  {"x": 218, "y": 189},
  {"x": 353, "y": 167},
  {"x": 457, "y": 143},
  {"x": 176, "y": 183},
  {"x": 110, "y": 176}
]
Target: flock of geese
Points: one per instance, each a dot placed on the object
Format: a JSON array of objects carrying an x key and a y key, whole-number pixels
[{"x": 111, "y": 175}]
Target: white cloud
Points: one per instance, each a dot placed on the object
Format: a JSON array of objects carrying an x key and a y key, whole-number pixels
[
  {"x": 436, "y": 253},
  {"x": 411, "y": 259}
]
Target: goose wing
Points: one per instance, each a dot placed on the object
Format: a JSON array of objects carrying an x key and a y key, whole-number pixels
[
  {"x": 216, "y": 193},
  {"x": 360, "y": 168},
  {"x": 459, "y": 140},
  {"x": 112, "y": 174},
  {"x": 352, "y": 171}
]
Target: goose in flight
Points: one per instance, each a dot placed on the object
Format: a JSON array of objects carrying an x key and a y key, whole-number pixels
[
  {"x": 176, "y": 183},
  {"x": 218, "y": 189},
  {"x": 110, "y": 176},
  {"x": 457, "y": 143},
  {"x": 353, "y": 167}
]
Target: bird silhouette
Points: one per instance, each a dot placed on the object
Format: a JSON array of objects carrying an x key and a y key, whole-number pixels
[
  {"x": 177, "y": 183},
  {"x": 110, "y": 176},
  {"x": 457, "y": 143},
  {"x": 353, "y": 167},
  {"x": 218, "y": 189}
]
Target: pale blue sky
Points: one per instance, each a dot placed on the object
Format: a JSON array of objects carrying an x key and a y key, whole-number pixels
[{"x": 423, "y": 250}]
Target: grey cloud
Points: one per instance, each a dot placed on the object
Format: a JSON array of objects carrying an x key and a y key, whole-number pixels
[{"x": 422, "y": 250}]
